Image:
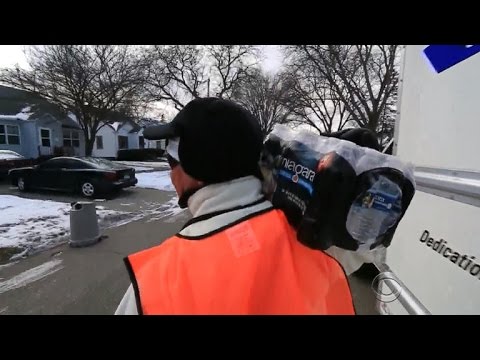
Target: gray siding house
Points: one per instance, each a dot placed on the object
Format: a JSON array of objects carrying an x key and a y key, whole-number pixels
[{"x": 32, "y": 127}]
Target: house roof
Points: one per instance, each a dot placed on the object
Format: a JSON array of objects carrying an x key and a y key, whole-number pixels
[
  {"x": 68, "y": 122},
  {"x": 7, "y": 92},
  {"x": 118, "y": 124},
  {"x": 25, "y": 105}
]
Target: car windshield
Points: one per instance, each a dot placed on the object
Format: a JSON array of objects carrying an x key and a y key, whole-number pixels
[{"x": 100, "y": 163}]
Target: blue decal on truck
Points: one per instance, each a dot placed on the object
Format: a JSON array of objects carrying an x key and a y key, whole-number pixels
[{"x": 443, "y": 57}]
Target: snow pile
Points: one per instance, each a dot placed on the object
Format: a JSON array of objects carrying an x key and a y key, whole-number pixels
[{"x": 159, "y": 180}]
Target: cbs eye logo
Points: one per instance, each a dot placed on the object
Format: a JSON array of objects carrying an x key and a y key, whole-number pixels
[{"x": 386, "y": 288}]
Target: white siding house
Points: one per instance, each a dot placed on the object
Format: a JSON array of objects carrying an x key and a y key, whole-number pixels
[
  {"x": 113, "y": 137},
  {"x": 105, "y": 144}
]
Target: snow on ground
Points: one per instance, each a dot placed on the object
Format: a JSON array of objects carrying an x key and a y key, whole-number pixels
[
  {"x": 170, "y": 208},
  {"x": 149, "y": 164},
  {"x": 31, "y": 275},
  {"x": 159, "y": 180},
  {"x": 31, "y": 225},
  {"x": 142, "y": 168},
  {"x": 154, "y": 212},
  {"x": 7, "y": 265},
  {"x": 28, "y": 226}
]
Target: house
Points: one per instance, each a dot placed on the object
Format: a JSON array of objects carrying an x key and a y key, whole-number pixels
[
  {"x": 119, "y": 135},
  {"x": 33, "y": 127},
  {"x": 115, "y": 136}
]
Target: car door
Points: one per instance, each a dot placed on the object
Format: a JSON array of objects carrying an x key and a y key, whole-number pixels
[
  {"x": 48, "y": 175},
  {"x": 72, "y": 172}
]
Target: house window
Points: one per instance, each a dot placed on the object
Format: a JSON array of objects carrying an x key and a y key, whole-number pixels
[
  {"x": 99, "y": 141},
  {"x": 10, "y": 134},
  {"x": 141, "y": 142},
  {"x": 123, "y": 142},
  {"x": 45, "y": 137},
  {"x": 71, "y": 138},
  {"x": 159, "y": 144}
]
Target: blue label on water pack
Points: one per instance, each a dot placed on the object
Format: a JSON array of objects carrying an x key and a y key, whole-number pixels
[
  {"x": 443, "y": 57},
  {"x": 379, "y": 201},
  {"x": 295, "y": 178}
]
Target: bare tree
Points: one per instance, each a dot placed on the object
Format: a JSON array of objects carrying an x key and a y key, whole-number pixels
[
  {"x": 363, "y": 77},
  {"x": 180, "y": 73},
  {"x": 93, "y": 82},
  {"x": 312, "y": 99},
  {"x": 230, "y": 64},
  {"x": 176, "y": 73},
  {"x": 264, "y": 96}
]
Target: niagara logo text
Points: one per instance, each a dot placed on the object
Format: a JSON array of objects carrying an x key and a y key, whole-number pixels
[{"x": 298, "y": 169}]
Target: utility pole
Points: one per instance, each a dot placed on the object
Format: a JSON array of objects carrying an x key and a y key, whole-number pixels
[{"x": 208, "y": 87}]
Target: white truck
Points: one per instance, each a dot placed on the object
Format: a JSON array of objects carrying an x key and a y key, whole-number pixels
[{"x": 433, "y": 263}]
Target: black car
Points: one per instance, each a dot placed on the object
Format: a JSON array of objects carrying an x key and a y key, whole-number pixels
[
  {"x": 11, "y": 160},
  {"x": 85, "y": 175}
]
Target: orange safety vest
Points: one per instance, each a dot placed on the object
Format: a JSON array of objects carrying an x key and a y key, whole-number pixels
[{"x": 254, "y": 267}]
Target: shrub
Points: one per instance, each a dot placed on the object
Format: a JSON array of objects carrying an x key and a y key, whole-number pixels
[{"x": 139, "y": 154}]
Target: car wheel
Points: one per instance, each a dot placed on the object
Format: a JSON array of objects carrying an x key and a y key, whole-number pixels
[
  {"x": 87, "y": 188},
  {"x": 21, "y": 184}
]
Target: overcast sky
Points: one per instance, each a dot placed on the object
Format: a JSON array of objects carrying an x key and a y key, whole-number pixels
[{"x": 11, "y": 55}]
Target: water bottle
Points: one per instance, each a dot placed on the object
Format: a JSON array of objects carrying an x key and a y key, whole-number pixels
[{"x": 374, "y": 212}]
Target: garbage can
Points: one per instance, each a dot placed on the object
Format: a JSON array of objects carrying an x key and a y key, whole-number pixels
[{"x": 84, "y": 229}]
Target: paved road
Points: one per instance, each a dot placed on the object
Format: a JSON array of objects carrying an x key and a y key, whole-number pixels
[
  {"x": 92, "y": 280},
  {"x": 130, "y": 199}
]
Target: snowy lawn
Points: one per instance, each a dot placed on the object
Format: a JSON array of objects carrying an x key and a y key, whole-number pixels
[
  {"x": 28, "y": 225},
  {"x": 144, "y": 164},
  {"x": 159, "y": 180}
]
